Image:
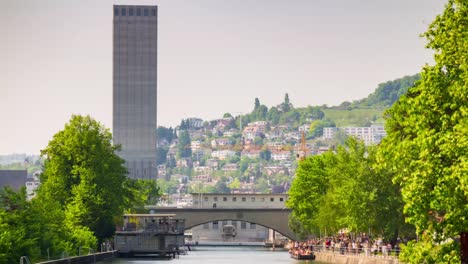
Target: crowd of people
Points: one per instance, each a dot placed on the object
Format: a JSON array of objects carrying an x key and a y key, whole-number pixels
[
  {"x": 347, "y": 244},
  {"x": 300, "y": 248}
]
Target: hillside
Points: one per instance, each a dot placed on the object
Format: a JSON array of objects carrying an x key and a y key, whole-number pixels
[
  {"x": 256, "y": 152},
  {"x": 384, "y": 95},
  {"x": 371, "y": 108}
]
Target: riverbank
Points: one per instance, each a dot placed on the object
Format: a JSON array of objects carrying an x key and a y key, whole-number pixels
[
  {"x": 92, "y": 258},
  {"x": 326, "y": 257}
]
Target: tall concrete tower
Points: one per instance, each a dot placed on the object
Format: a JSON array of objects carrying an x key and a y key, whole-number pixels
[{"x": 135, "y": 87}]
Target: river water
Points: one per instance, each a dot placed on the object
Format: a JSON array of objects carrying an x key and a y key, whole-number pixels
[{"x": 225, "y": 255}]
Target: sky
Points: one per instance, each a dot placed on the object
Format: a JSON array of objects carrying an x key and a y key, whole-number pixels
[{"x": 214, "y": 56}]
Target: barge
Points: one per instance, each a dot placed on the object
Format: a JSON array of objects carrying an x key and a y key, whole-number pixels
[{"x": 158, "y": 235}]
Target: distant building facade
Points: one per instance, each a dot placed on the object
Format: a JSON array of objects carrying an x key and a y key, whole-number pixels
[
  {"x": 370, "y": 135},
  {"x": 135, "y": 87},
  {"x": 238, "y": 200}
]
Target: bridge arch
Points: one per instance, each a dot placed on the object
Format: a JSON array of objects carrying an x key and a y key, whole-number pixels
[{"x": 276, "y": 219}]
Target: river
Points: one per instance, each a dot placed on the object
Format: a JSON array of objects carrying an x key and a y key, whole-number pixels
[{"x": 226, "y": 255}]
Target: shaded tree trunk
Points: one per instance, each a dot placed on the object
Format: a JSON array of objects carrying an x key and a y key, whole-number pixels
[{"x": 464, "y": 247}]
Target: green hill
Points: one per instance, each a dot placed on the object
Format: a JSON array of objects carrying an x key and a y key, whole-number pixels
[{"x": 370, "y": 109}]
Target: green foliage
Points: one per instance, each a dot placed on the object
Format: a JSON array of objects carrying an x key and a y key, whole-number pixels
[
  {"x": 221, "y": 187},
  {"x": 354, "y": 117},
  {"x": 273, "y": 115},
  {"x": 427, "y": 145},
  {"x": 388, "y": 93},
  {"x": 265, "y": 154},
  {"x": 426, "y": 251},
  {"x": 344, "y": 187},
  {"x": 143, "y": 192},
  {"x": 286, "y": 106},
  {"x": 183, "y": 148},
  {"x": 262, "y": 186},
  {"x": 84, "y": 190},
  {"x": 165, "y": 133},
  {"x": 297, "y": 227},
  {"x": 168, "y": 187},
  {"x": 316, "y": 128},
  {"x": 235, "y": 184},
  {"x": 85, "y": 175},
  {"x": 17, "y": 234},
  {"x": 161, "y": 155}
]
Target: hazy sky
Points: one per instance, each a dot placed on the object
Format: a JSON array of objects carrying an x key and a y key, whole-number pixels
[{"x": 215, "y": 56}]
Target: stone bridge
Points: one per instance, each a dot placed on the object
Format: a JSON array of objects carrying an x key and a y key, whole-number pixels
[{"x": 276, "y": 219}]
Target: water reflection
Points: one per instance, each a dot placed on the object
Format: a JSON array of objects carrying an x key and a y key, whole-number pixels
[{"x": 227, "y": 255}]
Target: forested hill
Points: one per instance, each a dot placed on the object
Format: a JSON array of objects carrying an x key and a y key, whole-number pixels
[{"x": 387, "y": 93}]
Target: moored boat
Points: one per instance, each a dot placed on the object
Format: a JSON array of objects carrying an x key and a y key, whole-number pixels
[{"x": 300, "y": 256}]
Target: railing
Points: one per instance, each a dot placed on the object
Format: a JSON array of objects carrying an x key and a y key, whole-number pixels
[
  {"x": 24, "y": 260},
  {"x": 378, "y": 252}
]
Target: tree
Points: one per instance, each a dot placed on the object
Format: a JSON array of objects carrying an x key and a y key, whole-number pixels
[
  {"x": 221, "y": 187},
  {"x": 85, "y": 176},
  {"x": 164, "y": 133},
  {"x": 161, "y": 155},
  {"x": 316, "y": 127},
  {"x": 265, "y": 154},
  {"x": 183, "y": 148},
  {"x": 257, "y": 104},
  {"x": 344, "y": 186},
  {"x": 427, "y": 146},
  {"x": 16, "y": 239},
  {"x": 235, "y": 184},
  {"x": 286, "y": 106}
]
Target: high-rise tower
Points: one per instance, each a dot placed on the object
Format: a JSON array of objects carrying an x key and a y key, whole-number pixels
[{"x": 135, "y": 87}]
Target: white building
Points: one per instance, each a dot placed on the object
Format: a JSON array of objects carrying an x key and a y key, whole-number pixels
[
  {"x": 223, "y": 154},
  {"x": 304, "y": 128},
  {"x": 329, "y": 132},
  {"x": 370, "y": 135},
  {"x": 195, "y": 122},
  {"x": 238, "y": 200},
  {"x": 280, "y": 155}
]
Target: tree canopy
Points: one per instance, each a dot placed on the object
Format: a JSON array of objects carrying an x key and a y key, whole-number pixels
[
  {"x": 84, "y": 174},
  {"x": 333, "y": 191},
  {"x": 427, "y": 143},
  {"x": 183, "y": 148}
]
